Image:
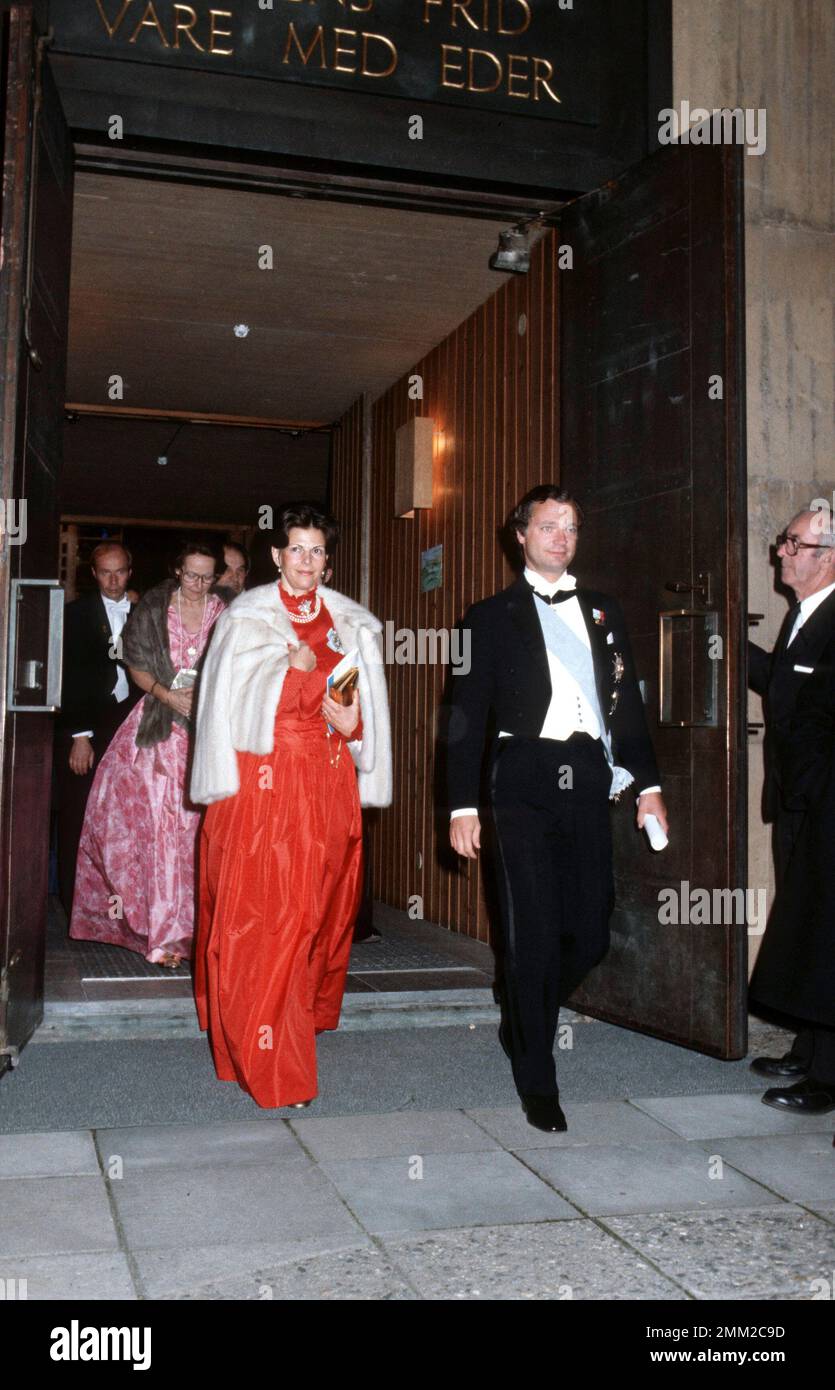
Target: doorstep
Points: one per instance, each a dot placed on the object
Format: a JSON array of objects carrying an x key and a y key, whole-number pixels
[{"x": 114, "y": 1019}]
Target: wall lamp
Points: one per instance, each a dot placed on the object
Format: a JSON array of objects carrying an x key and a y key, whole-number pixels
[{"x": 514, "y": 250}]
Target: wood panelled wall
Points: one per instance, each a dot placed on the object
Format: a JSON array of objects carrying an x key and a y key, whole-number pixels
[
  {"x": 492, "y": 389},
  {"x": 346, "y": 500}
]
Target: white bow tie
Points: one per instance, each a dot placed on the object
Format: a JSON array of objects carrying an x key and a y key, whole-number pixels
[{"x": 121, "y": 605}]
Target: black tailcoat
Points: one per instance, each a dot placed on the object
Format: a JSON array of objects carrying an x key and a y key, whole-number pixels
[
  {"x": 552, "y": 842},
  {"x": 90, "y": 672},
  {"x": 89, "y": 679},
  {"x": 795, "y": 970},
  {"x": 509, "y": 676}
]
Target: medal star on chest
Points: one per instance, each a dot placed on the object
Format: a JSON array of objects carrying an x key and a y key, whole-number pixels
[{"x": 333, "y": 641}]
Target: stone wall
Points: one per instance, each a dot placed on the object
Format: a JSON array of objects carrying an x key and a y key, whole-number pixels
[{"x": 778, "y": 55}]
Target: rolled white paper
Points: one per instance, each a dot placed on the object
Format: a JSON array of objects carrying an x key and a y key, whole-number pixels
[{"x": 655, "y": 834}]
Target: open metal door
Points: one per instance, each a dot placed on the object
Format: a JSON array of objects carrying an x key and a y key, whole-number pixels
[
  {"x": 652, "y": 405},
  {"x": 34, "y": 306}
]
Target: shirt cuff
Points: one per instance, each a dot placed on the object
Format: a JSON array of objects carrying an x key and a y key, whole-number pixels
[
  {"x": 464, "y": 811},
  {"x": 85, "y": 733},
  {"x": 649, "y": 789}
]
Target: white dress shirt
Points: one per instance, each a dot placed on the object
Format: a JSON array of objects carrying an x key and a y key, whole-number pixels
[
  {"x": 118, "y": 612},
  {"x": 807, "y": 607},
  {"x": 569, "y": 712}
]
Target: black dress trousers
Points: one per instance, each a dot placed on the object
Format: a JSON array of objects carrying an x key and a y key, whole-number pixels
[
  {"x": 550, "y": 804},
  {"x": 73, "y": 791}
]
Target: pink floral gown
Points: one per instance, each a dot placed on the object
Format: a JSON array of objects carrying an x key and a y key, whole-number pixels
[{"x": 135, "y": 884}]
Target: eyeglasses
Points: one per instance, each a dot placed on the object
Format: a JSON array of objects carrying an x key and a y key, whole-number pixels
[
  {"x": 792, "y": 544},
  {"x": 198, "y": 578}
]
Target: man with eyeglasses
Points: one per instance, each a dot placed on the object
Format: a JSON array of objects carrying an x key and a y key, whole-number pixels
[
  {"x": 551, "y": 668},
  {"x": 795, "y": 971}
]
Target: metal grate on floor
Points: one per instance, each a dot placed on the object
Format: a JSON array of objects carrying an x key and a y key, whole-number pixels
[
  {"x": 97, "y": 961},
  {"x": 391, "y": 954}
]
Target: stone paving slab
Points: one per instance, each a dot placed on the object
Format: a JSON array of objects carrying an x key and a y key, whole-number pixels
[
  {"x": 823, "y": 1209},
  {"x": 595, "y": 1122},
  {"x": 798, "y": 1166},
  {"x": 189, "y": 1271},
  {"x": 190, "y": 1146},
  {"x": 56, "y": 1216},
  {"x": 660, "y": 1177},
  {"x": 86, "y": 1277},
  {"x": 398, "y": 1132},
  {"x": 769, "y": 1253},
  {"x": 727, "y": 1116},
  {"x": 361, "y": 1273},
  {"x": 468, "y": 1189},
  {"x": 62, "y": 1153},
  {"x": 206, "y": 1205},
  {"x": 553, "y": 1260}
]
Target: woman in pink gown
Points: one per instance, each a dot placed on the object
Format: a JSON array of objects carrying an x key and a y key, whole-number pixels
[{"x": 135, "y": 884}]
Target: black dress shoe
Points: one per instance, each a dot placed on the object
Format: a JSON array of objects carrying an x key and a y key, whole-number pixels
[
  {"x": 807, "y": 1097},
  {"x": 787, "y": 1065},
  {"x": 544, "y": 1112}
]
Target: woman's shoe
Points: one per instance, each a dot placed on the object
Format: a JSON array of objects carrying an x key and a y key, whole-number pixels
[{"x": 299, "y": 1104}]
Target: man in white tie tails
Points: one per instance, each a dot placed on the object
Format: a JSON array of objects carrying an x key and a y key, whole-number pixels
[
  {"x": 795, "y": 971},
  {"x": 552, "y": 664},
  {"x": 97, "y": 696}
]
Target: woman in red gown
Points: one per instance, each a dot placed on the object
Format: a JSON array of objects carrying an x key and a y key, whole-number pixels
[{"x": 281, "y": 859}]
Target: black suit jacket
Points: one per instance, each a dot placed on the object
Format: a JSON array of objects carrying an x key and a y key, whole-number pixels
[
  {"x": 775, "y": 676},
  {"x": 795, "y": 970},
  {"x": 509, "y": 678},
  {"x": 90, "y": 672}
]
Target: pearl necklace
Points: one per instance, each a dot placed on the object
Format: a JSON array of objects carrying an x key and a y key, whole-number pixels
[
  {"x": 308, "y": 612},
  {"x": 191, "y": 651}
]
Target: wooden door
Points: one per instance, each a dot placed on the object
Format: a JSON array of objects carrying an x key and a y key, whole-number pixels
[
  {"x": 652, "y": 402},
  {"x": 34, "y": 300}
]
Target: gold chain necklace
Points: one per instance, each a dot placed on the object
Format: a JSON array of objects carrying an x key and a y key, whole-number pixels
[{"x": 334, "y": 761}]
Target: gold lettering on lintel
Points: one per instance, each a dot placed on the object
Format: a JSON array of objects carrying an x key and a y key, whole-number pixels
[
  {"x": 497, "y": 10},
  {"x": 474, "y": 71},
  {"x": 344, "y": 46},
  {"x": 185, "y": 19},
  {"x": 514, "y": 70}
]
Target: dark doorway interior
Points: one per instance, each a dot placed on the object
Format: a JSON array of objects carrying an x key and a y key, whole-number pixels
[{"x": 162, "y": 276}]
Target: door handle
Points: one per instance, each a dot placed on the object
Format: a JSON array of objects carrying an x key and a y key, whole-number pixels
[
  {"x": 691, "y": 702},
  {"x": 703, "y": 587},
  {"x": 34, "y": 645}
]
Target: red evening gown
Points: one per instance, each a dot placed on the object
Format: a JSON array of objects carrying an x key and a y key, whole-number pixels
[{"x": 280, "y": 885}]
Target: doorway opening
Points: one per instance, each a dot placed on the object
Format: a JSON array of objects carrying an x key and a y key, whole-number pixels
[{"x": 217, "y": 338}]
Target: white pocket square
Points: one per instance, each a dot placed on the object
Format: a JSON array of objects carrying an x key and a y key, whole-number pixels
[
  {"x": 610, "y": 638},
  {"x": 806, "y": 670}
]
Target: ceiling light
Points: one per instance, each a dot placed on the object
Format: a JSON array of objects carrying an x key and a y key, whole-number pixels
[{"x": 241, "y": 330}]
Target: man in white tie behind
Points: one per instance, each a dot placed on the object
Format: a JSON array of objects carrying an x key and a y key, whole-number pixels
[{"x": 97, "y": 696}]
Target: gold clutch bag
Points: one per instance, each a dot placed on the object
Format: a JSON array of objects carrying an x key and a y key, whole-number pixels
[{"x": 342, "y": 690}]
